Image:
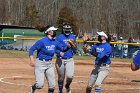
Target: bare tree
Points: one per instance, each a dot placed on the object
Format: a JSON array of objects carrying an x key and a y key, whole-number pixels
[{"x": 113, "y": 16}]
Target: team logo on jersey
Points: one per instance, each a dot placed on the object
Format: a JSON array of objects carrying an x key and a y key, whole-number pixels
[
  {"x": 99, "y": 50},
  {"x": 66, "y": 40},
  {"x": 52, "y": 47}
]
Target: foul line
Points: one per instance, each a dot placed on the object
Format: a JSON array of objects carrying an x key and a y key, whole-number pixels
[
  {"x": 2, "y": 80},
  {"x": 11, "y": 83}
]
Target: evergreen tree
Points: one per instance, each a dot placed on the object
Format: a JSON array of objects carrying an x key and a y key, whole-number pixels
[{"x": 66, "y": 16}]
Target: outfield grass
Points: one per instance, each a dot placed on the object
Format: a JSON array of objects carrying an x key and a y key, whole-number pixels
[
  {"x": 112, "y": 59},
  {"x": 24, "y": 54},
  {"x": 13, "y": 54},
  {"x": 122, "y": 59}
]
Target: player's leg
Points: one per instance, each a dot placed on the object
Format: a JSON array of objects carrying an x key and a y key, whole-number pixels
[
  {"x": 39, "y": 76},
  {"x": 92, "y": 79},
  {"x": 69, "y": 73},
  {"x": 61, "y": 73},
  {"x": 50, "y": 75},
  {"x": 103, "y": 72}
]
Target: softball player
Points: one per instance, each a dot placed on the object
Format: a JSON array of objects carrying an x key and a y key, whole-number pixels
[
  {"x": 135, "y": 65},
  {"x": 46, "y": 48},
  {"x": 65, "y": 61},
  {"x": 102, "y": 51}
]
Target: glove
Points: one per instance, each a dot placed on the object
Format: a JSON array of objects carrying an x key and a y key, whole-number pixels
[
  {"x": 71, "y": 43},
  {"x": 94, "y": 53},
  {"x": 86, "y": 48}
]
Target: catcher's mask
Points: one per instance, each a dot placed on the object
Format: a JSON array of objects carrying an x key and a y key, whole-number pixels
[{"x": 67, "y": 30}]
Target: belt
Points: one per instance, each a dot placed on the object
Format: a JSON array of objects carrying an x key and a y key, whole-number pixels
[
  {"x": 102, "y": 64},
  {"x": 45, "y": 59},
  {"x": 67, "y": 58}
]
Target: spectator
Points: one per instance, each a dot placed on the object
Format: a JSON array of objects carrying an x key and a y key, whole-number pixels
[{"x": 120, "y": 47}]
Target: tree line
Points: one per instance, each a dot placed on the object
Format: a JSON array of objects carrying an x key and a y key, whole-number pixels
[{"x": 120, "y": 17}]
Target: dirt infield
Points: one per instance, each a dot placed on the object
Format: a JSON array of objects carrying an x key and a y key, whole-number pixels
[{"x": 16, "y": 76}]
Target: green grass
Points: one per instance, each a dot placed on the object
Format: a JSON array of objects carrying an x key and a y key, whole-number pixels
[
  {"x": 13, "y": 54},
  {"x": 121, "y": 60},
  {"x": 93, "y": 58},
  {"x": 24, "y": 54},
  {"x": 84, "y": 57}
]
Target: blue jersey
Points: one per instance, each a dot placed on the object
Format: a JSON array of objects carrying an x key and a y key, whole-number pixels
[
  {"x": 104, "y": 51},
  {"x": 45, "y": 48},
  {"x": 136, "y": 59},
  {"x": 63, "y": 40}
]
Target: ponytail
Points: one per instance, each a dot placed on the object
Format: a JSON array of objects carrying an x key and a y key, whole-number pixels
[
  {"x": 109, "y": 38},
  {"x": 42, "y": 28}
]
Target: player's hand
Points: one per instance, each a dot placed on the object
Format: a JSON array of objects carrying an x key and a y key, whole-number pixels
[
  {"x": 61, "y": 54},
  {"x": 85, "y": 37},
  {"x": 134, "y": 67},
  {"x": 32, "y": 64}
]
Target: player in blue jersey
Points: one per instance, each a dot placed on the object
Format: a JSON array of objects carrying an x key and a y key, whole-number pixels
[
  {"x": 46, "y": 48},
  {"x": 65, "y": 61},
  {"x": 135, "y": 65},
  {"x": 102, "y": 52}
]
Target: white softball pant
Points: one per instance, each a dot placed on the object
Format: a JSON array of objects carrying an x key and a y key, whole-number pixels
[
  {"x": 44, "y": 68},
  {"x": 65, "y": 66},
  {"x": 98, "y": 74}
]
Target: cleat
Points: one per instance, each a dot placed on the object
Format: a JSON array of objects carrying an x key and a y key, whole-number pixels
[
  {"x": 68, "y": 90},
  {"x": 31, "y": 90}
]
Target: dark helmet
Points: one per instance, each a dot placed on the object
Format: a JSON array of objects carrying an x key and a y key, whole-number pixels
[{"x": 67, "y": 29}]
